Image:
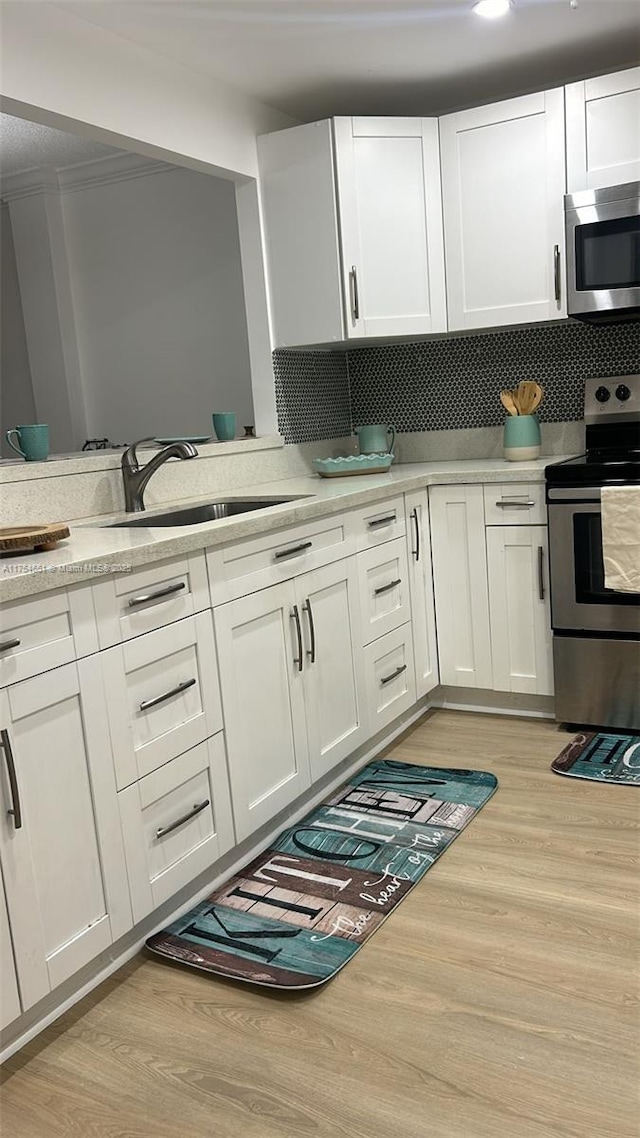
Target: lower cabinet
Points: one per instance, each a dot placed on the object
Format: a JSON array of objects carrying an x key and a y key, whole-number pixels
[
  {"x": 425, "y": 645},
  {"x": 389, "y": 677},
  {"x": 292, "y": 688},
  {"x": 521, "y": 645},
  {"x": 61, "y": 845},
  {"x": 461, "y": 587},
  {"x": 176, "y": 822},
  {"x": 10, "y": 1006}
]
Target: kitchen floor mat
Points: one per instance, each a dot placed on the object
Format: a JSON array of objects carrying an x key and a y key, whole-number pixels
[
  {"x": 601, "y": 757},
  {"x": 297, "y": 913}
]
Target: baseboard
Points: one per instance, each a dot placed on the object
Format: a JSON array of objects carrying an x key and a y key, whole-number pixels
[
  {"x": 493, "y": 702},
  {"x": 82, "y": 983}
]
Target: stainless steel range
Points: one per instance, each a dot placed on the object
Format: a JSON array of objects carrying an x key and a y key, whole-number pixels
[{"x": 596, "y": 631}]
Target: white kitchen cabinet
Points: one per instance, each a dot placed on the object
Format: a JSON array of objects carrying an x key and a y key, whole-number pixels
[
  {"x": 60, "y": 839},
  {"x": 353, "y": 222},
  {"x": 176, "y": 823},
  {"x": 261, "y": 660},
  {"x": 390, "y": 677},
  {"x": 10, "y": 1006},
  {"x": 461, "y": 587},
  {"x": 517, "y": 561},
  {"x": 425, "y": 645},
  {"x": 383, "y": 578},
  {"x": 503, "y": 180},
  {"x": 292, "y": 688},
  {"x": 603, "y": 131}
]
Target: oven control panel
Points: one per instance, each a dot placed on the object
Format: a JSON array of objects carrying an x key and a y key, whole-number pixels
[{"x": 606, "y": 400}]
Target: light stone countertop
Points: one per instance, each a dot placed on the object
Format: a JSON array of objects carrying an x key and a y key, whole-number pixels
[{"x": 93, "y": 550}]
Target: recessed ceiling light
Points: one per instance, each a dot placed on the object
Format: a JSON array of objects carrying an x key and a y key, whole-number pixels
[{"x": 492, "y": 8}]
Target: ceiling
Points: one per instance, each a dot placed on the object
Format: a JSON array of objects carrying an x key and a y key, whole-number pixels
[
  {"x": 26, "y": 145},
  {"x": 313, "y": 58}
]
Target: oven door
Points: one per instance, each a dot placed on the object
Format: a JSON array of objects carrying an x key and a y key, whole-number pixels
[
  {"x": 579, "y": 599},
  {"x": 603, "y": 250}
]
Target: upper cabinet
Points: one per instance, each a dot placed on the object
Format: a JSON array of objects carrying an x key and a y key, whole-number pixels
[
  {"x": 603, "y": 131},
  {"x": 503, "y": 180},
  {"x": 353, "y": 222}
]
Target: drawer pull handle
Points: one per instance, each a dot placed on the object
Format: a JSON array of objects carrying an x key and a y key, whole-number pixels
[
  {"x": 16, "y": 809},
  {"x": 145, "y": 598},
  {"x": 386, "y": 521},
  {"x": 198, "y": 808},
  {"x": 416, "y": 551},
  {"x": 292, "y": 549},
  {"x": 387, "y": 588},
  {"x": 147, "y": 703},
  {"x": 311, "y": 653},
  {"x": 515, "y": 505},
  {"x": 394, "y": 675},
  {"x": 5, "y": 645}
]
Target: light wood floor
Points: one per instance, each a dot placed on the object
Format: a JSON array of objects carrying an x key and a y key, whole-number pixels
[{"x": 499, "y": 1001}]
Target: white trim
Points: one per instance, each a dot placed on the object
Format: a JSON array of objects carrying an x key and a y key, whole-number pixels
[{"x": 81, "y": 176}]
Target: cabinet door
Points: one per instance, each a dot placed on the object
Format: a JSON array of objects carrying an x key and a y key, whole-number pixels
[
  {"x": 517, "y": 558},
  {"x": 9, "y": 998},
  {"x": 62, "y": 853},
  {"x": 260, "y": 661},
  {"x": 460, "y": 581},
  {"x": 388, "y": 172},
  {"x": 603, "y": 131},
  {"x": 503, "y": 178},
  {"x": 333, "y": 671},
  {"x": 423, "y": 617},
  {"x": 389, "y": 677}
]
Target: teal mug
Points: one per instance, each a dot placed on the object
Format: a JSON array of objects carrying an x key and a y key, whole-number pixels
[
  {"x": 32, "y": 441},
  {"x": 224, "y": 424},
  {"x": 522, "y": 438},
  {"x": 373, "y": 438}
]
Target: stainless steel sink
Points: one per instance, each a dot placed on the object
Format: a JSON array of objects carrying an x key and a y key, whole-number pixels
[{"x": 195, "y": 515}]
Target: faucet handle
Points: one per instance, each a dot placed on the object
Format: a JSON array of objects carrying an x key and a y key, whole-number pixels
[{"x": 130, "y": 456}]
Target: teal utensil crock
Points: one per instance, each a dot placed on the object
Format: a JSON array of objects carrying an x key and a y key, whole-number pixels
[
  {"x": 32, "y": 441},
  {"x": 373, "y": 438},
  {"x": 224, "y": 424},
  {"x": 522, "y": 438}
]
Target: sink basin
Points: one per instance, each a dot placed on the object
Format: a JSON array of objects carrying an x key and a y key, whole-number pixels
[{"x": 195, "y": 515}]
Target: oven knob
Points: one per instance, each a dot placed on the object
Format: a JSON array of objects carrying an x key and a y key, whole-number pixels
[
  {"x": 622, "y": 392},
  {"x": 602, "y": 394}
]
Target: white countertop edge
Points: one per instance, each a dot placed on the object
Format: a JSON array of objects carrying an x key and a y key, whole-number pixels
[{"x": 94, "y": 550}]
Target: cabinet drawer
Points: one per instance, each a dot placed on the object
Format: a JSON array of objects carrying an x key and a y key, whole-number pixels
[
  {"x": 379, "y": 522},
  {"x": 176, "y": 822},
  {"x": 514, "y": 504},
  {"x": 45, "y": 632},
  {"x": 383, "y": 580},
  {"x": 390, "y": 677},
  {"x": 247, "y": 566},
  {"x": 163, "y": 695},
  {"x": 134, "y": 603}
]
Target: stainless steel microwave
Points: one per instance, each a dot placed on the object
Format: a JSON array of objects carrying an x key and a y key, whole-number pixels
[{"x": 603, "y": 252}]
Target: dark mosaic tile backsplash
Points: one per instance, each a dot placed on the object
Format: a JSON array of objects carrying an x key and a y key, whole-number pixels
[{"x": 437, "y": 385}]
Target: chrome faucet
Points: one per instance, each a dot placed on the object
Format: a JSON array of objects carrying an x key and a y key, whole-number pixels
[{"x": 135, "y": 477}]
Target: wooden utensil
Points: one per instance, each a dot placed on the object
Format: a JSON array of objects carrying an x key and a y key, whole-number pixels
[
  {"x": 507, "y": 400},
  {"x": 525, "y": 394},
  {"x": 538, "y": 396}
]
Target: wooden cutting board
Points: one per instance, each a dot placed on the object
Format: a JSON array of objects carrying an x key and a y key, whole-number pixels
[{"x": 17, "y": 539}]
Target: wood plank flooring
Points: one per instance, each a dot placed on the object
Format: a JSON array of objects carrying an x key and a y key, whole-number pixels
[{"x": 500, "y": 1000}]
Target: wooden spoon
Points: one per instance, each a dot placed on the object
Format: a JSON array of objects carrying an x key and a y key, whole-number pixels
[
  {"x": 526, "y": 395},
  {"x": 507, "y": 400},
  {"x": 538, "y": 396}
]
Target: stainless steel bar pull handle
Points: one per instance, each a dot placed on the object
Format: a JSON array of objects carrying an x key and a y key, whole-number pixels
[
  {"x": 387, "y": 588},
  {"x": 556, "y": 272},
  {"x": 394, "y": 675},
  {"x": 355, "y": 298},
  {"x": 292, "y": 549},
  {"x": 145, "y": 598},
  {"x": 147, "y": 703},
  {"x": 16, "y": 809},
  {"x": 198, "y": 808},
  {"x": 416, "y": 551},
  {"x": 5, "y": 645},
  {"x": 541, "y": 589},
  {"x": 515, "y": 505},
  {"x": 295, "y": 615},
  {"x": 386, "y": 521},
  {"x": 311, "y": 653}
]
